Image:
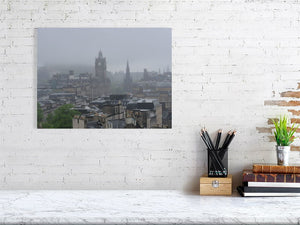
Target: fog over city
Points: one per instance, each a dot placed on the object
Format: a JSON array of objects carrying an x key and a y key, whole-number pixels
[
  {"x": 143, "y": 47},
  {"x": 103, "y": 78}
]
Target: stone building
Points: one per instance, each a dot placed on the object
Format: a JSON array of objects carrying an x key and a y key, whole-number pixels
[{"x": 144, "y": 113}]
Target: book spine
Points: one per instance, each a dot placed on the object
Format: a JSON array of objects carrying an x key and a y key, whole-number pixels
[
  {"x": 272, "y": 189},
  {"x": 276, "y": 169},
  {"x": 271, "y": 184},
  {"x": 266, "y": 177}
]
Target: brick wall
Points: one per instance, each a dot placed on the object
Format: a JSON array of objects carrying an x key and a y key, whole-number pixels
[
  {"x": 289, "y": 101},
  {"x": 235, "y": 65}
]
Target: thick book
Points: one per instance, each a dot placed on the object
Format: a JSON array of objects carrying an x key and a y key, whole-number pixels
[
  {"x": 272, "y": 189},
  {"x": 248, "y": 175},
  {"x": 271, "y": 168},
  {"x": 271, "y": 184},
  {"x": 244, "y": 193}
]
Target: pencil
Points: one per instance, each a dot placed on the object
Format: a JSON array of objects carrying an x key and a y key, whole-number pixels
[
  {"x": 213, "y": 160},
  {"x": 218, "y": 139},
  {"x": 215, "y": 166},
  {"x": 208, "y": 138},
  {"x": 204, "y": 140},
  {"x": 226, "y": 139},
  {"x": 230, "y": 139},
  {"x": 225, "y": 149},
  {"x": 216, "y": 161}
]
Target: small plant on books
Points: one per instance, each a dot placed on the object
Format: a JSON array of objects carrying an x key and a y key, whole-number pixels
[{"x": 284, "y": 136}]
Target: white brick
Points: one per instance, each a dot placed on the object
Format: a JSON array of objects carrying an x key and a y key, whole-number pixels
[{"x": 228, "y": 58}]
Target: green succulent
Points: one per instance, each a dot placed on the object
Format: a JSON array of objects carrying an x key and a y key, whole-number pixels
[{"x": 283, "y": 134}]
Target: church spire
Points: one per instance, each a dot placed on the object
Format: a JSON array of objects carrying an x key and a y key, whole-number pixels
[
  {"x": 127, "y": 81},
  {"x": 127, "y": 69}
]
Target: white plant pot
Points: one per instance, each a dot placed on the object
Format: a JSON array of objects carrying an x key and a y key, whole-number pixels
[{"x": 283, "y": 154}]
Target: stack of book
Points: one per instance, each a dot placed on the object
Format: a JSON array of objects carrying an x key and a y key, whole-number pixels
[{"x": 270, "y": 180}]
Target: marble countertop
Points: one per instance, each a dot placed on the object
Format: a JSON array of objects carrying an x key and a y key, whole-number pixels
[{"x": 143, "y": 207}]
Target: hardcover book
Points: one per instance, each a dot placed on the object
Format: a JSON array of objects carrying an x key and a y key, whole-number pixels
[
  {"x": 271, "y": 184},
  {"x": 271, "y": 189},
  {"x": 244, "y": 193},
  {"x": 249, "y": 175},
  {"x": 271, "y": 168}
]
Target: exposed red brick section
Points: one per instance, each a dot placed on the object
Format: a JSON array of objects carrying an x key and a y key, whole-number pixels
[
  {"x": 264, "y": 129},
  {"x": 295, "y": 148},
  {"x": 297, "y": 131},
  {"x": 282, "y": 103},
  {"x": 292, "y": 94},
  {"x": 294, "y": 112},
  {"x": 295, "y": 120},
  {"x": 270, "y": 120},
  {"x": 269, "y": 130},
  {"x": 286, "y": 104},
  {"x": 272, "y": 139}
]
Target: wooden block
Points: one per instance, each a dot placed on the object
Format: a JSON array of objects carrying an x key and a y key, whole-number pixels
[{"x": 216, "y": 185}]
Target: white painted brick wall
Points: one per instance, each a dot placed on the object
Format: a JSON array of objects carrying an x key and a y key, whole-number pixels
[{"x": 228, "y": 58}]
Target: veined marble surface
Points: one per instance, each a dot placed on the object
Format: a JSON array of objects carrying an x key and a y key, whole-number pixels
[{"x": 143, "y": 207}]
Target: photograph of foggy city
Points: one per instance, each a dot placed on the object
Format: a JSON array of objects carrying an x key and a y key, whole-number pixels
[{"x": 104, "y": 78}]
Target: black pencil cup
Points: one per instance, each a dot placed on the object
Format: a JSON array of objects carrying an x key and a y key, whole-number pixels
[{"x": 217, "y": 163}]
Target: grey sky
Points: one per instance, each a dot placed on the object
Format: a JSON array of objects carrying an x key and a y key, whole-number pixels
[{"x": 149, "y": 48}]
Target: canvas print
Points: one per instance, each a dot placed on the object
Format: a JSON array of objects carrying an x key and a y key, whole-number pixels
[{"x": 104, "y": 78}]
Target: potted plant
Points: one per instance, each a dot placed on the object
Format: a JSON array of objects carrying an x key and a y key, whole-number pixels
[{"x": 284, "y": 136}]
